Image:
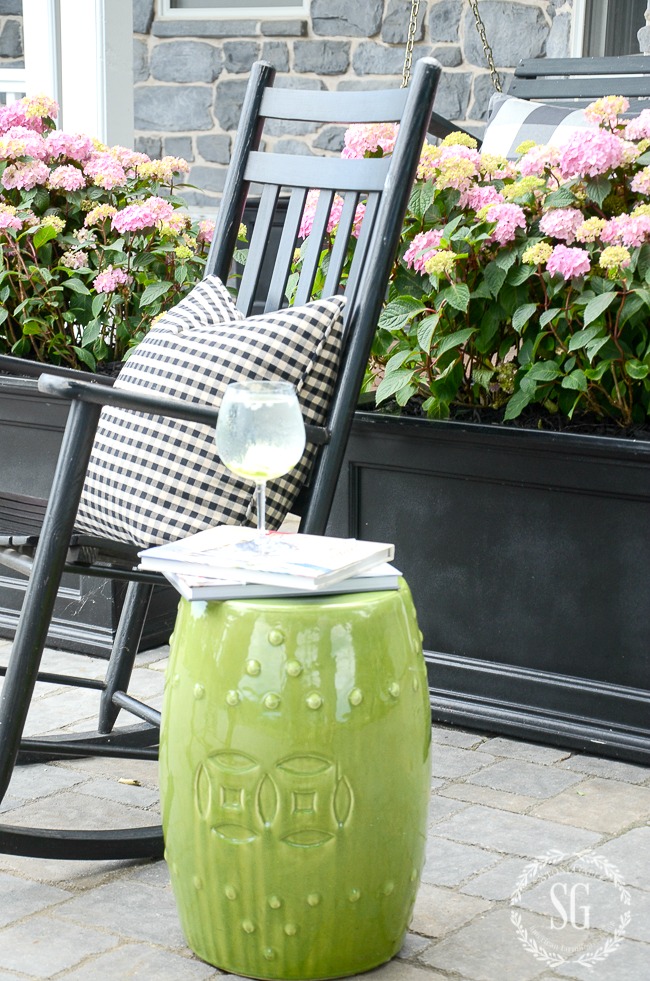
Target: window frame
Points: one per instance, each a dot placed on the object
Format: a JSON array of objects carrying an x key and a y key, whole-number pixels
[
  {"x": 278, "y": 12},
  {"x": 580, "y": 23}
]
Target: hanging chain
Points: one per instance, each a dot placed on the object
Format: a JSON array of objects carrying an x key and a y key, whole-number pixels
[
  {"x": 410, "y": 40},
  {"x": 489, "y": 57},
  {"x": 480, "y": 27}
]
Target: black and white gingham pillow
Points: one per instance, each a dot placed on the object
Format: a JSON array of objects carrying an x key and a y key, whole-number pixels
[
  {"x": 208, "y": 303},
  {"x": 153, "y": 479},
  {"x": 512, "y": 122}
]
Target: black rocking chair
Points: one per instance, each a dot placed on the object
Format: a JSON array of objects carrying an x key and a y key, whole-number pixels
[{"x": 384, "y": 184}]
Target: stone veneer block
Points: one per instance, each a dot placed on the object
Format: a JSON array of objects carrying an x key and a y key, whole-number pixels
[
  {"x": 323, "y": 57},
  {"x": 173, "y": 108},
  {"x": 228, "y": 101},
  {"x": 238, "y": 56},
  {"x": 482, "y": 92},
  {"x": 284, "y": 28},
  {"x": 186, "y": 61},
  {"x": 151, "y": 145},
  {"x": 444, "y": 20},
  {"x": 449, "y": 55},
  {"x": 140, "y": 61},
  {"x": 277, "y": 54},
  {"x": 142, "y": 16},
  {"x": 453, "y": 94},
  {"x": 209, "y": 27},
  {"x": 559, "y": 38},
  {"x": 341, "y": 18},
  {"x": 377, "y": 59},
  {"x": 394, "y": 29},
  {"x": 330, "y": 139},
  {"x": 516, "y": 31},
  {"x": 208, "y": 179},
  {"x": 11, "y": 40},
  {"x": 216, "y": 149},
  {"x": 181, "y": 146}
]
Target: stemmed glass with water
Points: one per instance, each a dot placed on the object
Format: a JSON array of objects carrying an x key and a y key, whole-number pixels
[{"x": 260, "y": 434}]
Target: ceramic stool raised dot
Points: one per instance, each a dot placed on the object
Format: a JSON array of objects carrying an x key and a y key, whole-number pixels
[{"x": 295, "y": 777}]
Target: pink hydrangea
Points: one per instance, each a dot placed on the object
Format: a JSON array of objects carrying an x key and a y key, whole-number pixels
[
  {"x": 307, "y": 220},
  {"x": 206, "y": 231},
  {"x": 129, "y": 160},
  {"x": 477, "y": 197},
  {"x": 142, "y": 214},
  {"x": 9, "y": 218},
  {"x": 67, "y": 178},
  {"x": 562, "y": 223},
  {"x": 73, "y": 146},
  {"x": 639, "y": 127},
  {"x": 538, "y": 159},
  {"x": 568, "y": 262},
  {"x": 606, "y": 111},
  {"x": 423, "y": 246},
  {"x": 508, "y": 217},
  {"x": 29, "y": 112},
  {"x": 365, "y": 138},
  {"x": 629, "y": 230},
  {"x": 25, "y": 176},
  {"x": 591, "y": 153},
  {"x": 640, "y": 183},
  {"x": 109, "y": 280},
  {"x": 19, "y": 141},
  {"x": 105, "y": 171}
]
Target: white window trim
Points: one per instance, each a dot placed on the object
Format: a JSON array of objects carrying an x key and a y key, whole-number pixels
[
  {"x": 166, "y": 11},
  {"x": 578, "y": 28},
  {"x": 79, "y": 52}
]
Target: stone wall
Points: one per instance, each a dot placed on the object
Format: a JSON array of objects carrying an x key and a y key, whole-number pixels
[{"x": 190, "y": 75}]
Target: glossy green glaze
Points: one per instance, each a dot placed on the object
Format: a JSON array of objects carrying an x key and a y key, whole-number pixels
[{"x": 295, "y": 780}]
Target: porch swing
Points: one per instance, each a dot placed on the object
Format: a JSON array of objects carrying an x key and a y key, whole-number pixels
[{"x": 559, "y": 82}]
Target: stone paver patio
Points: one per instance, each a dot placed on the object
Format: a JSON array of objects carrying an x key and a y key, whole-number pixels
[{"x": 504, "y": 813}]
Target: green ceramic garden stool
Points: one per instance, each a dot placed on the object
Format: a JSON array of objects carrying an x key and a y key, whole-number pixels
[{"x": 295, "y": 778}]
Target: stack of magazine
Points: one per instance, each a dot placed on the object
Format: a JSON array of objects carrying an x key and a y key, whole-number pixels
[{"x": 230, "y": 562}]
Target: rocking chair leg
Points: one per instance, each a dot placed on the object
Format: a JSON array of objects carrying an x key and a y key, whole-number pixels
[
  {"x": 125, "y": 647},
  {"x": 49, "y": 561}
]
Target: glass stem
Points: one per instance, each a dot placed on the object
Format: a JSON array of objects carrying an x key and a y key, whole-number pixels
[{"x": 260, "y": 504}]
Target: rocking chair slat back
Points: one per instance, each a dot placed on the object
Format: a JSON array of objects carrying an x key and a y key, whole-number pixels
[{"x": 336, "y": 107}]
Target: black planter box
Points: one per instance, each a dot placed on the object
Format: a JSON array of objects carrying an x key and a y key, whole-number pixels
[
  {"x": 527, "y": 556},
  {"x": 87, "y": 608}
]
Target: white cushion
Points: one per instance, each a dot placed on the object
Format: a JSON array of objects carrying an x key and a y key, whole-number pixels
[
  {"x": 512, "y": 121},
  {"x": 153, "y": 479}
]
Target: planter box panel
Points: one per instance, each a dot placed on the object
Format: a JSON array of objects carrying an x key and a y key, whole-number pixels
[
  {"x": 31, "y": 430},
  {"x": 87, "y": 608},
  {"x": 524, "y": 556}
]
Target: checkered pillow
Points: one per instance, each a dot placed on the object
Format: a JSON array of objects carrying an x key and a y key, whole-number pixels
[
  {"x": 208, "y": 303},
  {"x": 153, "y": 479},
  {"x": 513, "y": 121}
]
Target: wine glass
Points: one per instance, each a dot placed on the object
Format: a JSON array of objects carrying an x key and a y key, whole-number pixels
[{"x": 260, "y": 434}]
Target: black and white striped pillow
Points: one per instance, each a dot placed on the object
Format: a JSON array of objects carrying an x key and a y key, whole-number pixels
[
  {"x": 512, "y": 122},
  {"x": 153, "y": 479}
]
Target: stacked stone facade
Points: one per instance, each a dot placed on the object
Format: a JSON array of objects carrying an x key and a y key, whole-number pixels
[{"x": 190, "y": 75}]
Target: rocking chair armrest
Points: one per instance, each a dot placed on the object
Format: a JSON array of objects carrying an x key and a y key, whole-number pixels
[
  {"x": 119, "y": 398},
  {"x": 440, "y": 127}
]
